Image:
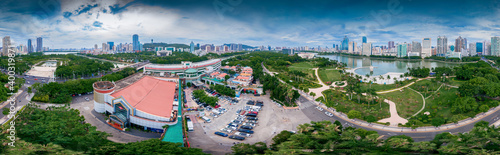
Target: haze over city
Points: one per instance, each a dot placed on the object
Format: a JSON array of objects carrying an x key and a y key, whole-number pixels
[{"x": 82, "y": 24}]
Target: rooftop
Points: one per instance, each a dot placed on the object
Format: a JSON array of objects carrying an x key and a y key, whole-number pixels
[
  {"x": 150, "y": 95},
  {"x": 104, "y": 85}
]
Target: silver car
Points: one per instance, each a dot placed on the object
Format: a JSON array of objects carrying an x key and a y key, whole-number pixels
[
  {"x": 249, "y": 124},
  {"x": 242, "y": 134},
  {"x": 231, "y": 127},
  {"x": 226, "y": 130},
  {"x": 329, "y": 114}
]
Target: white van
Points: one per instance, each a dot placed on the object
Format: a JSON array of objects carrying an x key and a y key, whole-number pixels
[
  {"x": 256, "y": 108},
  {"x": 206, "y": 119}
]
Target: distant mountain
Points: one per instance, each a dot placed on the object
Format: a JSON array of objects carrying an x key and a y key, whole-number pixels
[
  {"x": 243, "y": 46},
  {"x": 153, "y": 45}
]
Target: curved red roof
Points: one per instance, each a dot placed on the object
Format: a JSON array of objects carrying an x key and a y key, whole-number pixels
[{"x": 150, "y": 95}]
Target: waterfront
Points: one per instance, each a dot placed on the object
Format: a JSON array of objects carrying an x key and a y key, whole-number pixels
[{"x": 382, "y": 67}]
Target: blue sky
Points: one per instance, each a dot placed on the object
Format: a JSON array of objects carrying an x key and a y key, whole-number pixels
[{"x": 76, "y": 24}]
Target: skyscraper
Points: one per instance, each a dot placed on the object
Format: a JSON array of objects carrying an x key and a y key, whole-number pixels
[
  {"x": 495, "y": 46},
  {"x": 111, "y": 45},
  {"x": 364, "y": 39},
  {"x": 416, "y": 47},
  {"x": 191, "y": 47},
  {"x": 345, "y": 44},
  {"x": 442, "y": 45},
  {"x": 30, "y": 46},
  {"x": 472, "y": 49},
  {"x": 367, "y": 49},
  {"x": 135, "y": 42},
  {"x": 459, "y": 44},
  {"x": 402, "y": 50},
  {"x": 39, "y": 44},
  {"x": 391, "y": 44},
  {"x": 5, "y": 45},
  {"x": 426, "y": 48},
  {"x": 479, "y": 48}
]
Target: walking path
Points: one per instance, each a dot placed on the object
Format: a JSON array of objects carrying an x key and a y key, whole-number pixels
[
  {"x": 323, "y": 87},
  {"x": 423, "y": 106},
  {"x": 395, "y": 119}
]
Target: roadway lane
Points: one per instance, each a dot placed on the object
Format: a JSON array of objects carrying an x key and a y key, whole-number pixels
[{"x": 312, "y": 113}]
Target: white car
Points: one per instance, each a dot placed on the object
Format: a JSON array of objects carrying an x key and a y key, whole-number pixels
[
  {"x": 319, "y": 108},
  {"x": 329, "y": 114},
  {"x": 249, "y": 124},
  {"x": 86, "y": 98},
  {"x": 231, "y": 127},
  {"x": 226, "y": 130},
  {"x": 242, "y": 134}
]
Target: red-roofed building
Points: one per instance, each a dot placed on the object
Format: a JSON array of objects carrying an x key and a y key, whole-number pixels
[
  {"x": 221, "y": 76},
  {"x": 149, "y": 102}
]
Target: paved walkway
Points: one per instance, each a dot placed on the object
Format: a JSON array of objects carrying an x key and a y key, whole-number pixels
[
  {"x": 323, "y": 87},
  {"x": 395, "y": 119}
]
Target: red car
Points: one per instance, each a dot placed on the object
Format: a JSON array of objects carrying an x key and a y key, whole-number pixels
[
  {"x": 253, "y": 112},
  {"x": 243, "y": 112},
  {"x": 217, "y": 106}
]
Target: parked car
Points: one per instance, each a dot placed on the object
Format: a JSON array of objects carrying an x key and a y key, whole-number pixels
[
  {"x": 226, "y": 130},
  {"x": 259, "y": 104},
  {"x": 221, "y": 134},
  {"x": 206, "y": 119},
  {"x": 251, "y": 114},
  {"x": 252, "y": 118},
  {"x": 246, "y": 127},
  {"x": 319, "y": 108},
  {"x": 252, "y": 121},
  {"x": 329, "y": 114},
  {"x": 242, "y": 134},
  {"x": 245, "y": 131},
  {"x": 237, "y": 137},
  {"x": 237, "y": 121},
  {"x": 249, "y": 124},
  {"x": 250, "y": 103},
  {"x": 233, "y": 124},
  {"x": 231, "y": 127}
]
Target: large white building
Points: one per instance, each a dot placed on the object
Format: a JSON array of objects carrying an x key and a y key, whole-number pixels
[
  {"x": 367, "y": 49},
  {"x": 186, "y": 71},
  {"x": 426, "y": 48}
]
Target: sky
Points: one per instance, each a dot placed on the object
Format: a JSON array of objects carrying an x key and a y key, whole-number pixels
[{"x": 290, "y": 23}]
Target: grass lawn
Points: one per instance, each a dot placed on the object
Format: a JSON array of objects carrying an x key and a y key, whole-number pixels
[
  {"x": 382, "y": 87},
  {"x": 426, "y": 87},
  {"x": 329, "y": 76},
  {"x": 341, "y": 102},
  {"x": 456, "y": 82},
  {"x": 408, "y": 102},
  {"x": 305, "y": 67},
  {"x": 439, "y": 102}
]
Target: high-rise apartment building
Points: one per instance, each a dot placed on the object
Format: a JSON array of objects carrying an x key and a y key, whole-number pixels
[
  {"x": 472, "y": 49},
  {"x": 5, "y": 45},
  {"x": 391, "y": 45},
  {"x": 402, "y": 50},
  {"x": 459, "y": 44},
  {"x": 426, "y": 48},
  {"x": 39, "y": 44},
  {"x": 495, "y": 46},
  {"x": 191, "y": 47},
  {"x": 367, "y": 49},
  {"x": 442, "y": 46},
  {"x": 416, "y": 47}
]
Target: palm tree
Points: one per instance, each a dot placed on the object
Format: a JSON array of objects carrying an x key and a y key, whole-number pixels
[{"x": 388, "y": 78}]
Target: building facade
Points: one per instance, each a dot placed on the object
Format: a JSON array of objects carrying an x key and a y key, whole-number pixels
[
  {"x": 426, "y": 48},
  {"x": 186, "y": 71},
  {"x": 495, "y": 46},
  {"x": 39, "y": 44}
]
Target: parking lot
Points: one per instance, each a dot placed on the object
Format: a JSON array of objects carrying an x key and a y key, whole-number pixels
[{"x": 272, "y": 119}]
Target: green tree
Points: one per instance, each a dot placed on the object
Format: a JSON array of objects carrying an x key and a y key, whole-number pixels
[
  {"x": 438, "y": 121},
  {"x": 280, "y": 138},
  {"x": 354, "y": 114}
]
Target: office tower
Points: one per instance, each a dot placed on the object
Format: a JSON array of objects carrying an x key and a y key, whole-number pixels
[
  {"x": 111, "y": 45},
  {"x": 442, "y": 45},
  {"x": 459, "y": 44},
  {"x": 364, "y": 39},
  {"x": 104, "y": 47},
  {"x": 367, "y": 49},
  {"x": 345, "y": 44},
  {"x": 402, "y": 50},
  {"x": 39, "y": 44},
  {"x": 240, "y": 47},
  {"x": 391, "y": 44},
  {"x": 95, "y": 46},
  {"x": 5, "y": 45},
  {"x": 495, "y": 46},
  {"x": 191, "y": 47},
  {"x": 416, "y": 47},
  {"x": 426, "y": 48},
  {"x": 30, "y": 46},
  {"x": 135, "y": 42},
  {"x": 465, "y": 43},
  {"x": 472, "y": 49},
  {"x": 479, "y": 48}
]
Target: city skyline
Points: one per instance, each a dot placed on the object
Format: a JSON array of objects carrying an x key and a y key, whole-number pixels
[{"x": 276, "y": 23}]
